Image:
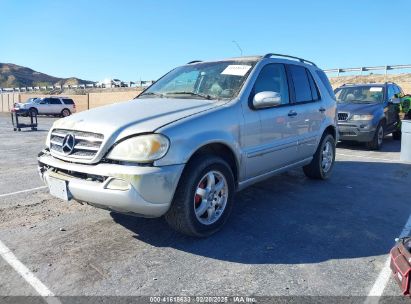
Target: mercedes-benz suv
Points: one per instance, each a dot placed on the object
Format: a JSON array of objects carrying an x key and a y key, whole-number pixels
[{"x": 200, "y": 133}]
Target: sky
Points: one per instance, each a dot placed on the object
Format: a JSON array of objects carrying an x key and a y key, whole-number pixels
[{"x": 134, "y": 40}]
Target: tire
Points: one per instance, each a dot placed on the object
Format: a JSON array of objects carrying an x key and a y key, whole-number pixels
[
  {"x": 65, "y": 113},
  {"x": 322, "y": 164},
  {"x": 34, "y": 111},
  {"x": 186, "y": 212},
  {"x": 396, "y": 135},
  {"x": 377, "y": 141}
]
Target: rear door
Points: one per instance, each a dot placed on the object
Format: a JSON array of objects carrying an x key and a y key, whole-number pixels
[
  {"x": 309, "y": 110},
  {"x": 278, "y": 138},
  {"x": 55, "y": 106}
]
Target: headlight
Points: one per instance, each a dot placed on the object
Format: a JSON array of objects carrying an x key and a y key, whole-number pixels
[
  {"x": 143, "y": 148},
  {"x": 362, "y": 117}
]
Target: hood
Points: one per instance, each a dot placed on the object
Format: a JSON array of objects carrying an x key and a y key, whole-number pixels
[
  {"x": 136, "y": 116},
  {"x": 358, "y": 108}
]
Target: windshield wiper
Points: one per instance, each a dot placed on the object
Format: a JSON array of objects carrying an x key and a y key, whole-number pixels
[
  {"x": 205, "y": 96},
  {"x": 152, "y": 94}
]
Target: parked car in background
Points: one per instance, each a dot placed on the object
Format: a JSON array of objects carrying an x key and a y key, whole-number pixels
[
  {"x": 196, "y": 136},
  {"x": 368, "y": 112},
  {"x": 62, "y": 106}
]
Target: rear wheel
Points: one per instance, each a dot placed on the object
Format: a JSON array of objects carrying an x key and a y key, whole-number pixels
[
  {"x": 322, "y": 164},
  {"x": 65, "y": 112},
  {"x": 204, "y": 197},
  {"x": 377, "y": 141}
]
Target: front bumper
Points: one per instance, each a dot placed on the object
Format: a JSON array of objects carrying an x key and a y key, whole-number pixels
[
  {"x": 149, "y": 193},
  {"x": 361, "y": 132}
]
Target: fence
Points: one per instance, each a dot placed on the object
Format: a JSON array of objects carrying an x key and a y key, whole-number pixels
[
  {"x": 384, "y": 68},
  {"x": 130, "y": 84},
  {"x": 83, "y": 102}
]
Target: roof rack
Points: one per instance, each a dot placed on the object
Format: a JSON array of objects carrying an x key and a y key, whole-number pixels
[
  {"x": 269, "y": 55},
  {"x": 194, "y": 61}
]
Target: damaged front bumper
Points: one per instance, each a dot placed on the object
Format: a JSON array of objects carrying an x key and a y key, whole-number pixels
[{"x": 142, "y": 190}]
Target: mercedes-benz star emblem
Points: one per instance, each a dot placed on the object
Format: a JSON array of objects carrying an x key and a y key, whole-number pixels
[{"x": 69, "y": 142}]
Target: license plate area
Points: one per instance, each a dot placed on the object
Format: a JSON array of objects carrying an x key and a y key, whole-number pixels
[{"x": 58, "y": 188}]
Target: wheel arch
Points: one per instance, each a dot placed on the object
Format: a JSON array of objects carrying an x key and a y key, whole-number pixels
[
  {"x": 331, "y": 130},
  {"x": 222, "y": 150}
]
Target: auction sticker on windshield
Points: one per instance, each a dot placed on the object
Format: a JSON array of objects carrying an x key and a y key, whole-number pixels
[
  {"x": 376, "y": 89},
  {"x": 236, "y": 70}
]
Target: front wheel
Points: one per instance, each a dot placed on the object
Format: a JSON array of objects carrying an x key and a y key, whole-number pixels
[
  {"x": 322, "y": 164},
  {"x": 33, "y": 112},
  {"x": 376, "y": 142},
  {"x": 204, "y": 197}
]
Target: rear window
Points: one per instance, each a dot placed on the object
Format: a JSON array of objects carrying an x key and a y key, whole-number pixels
[
  {"x": 326, "y": 83},
  {"x": 68, "y": 101}
]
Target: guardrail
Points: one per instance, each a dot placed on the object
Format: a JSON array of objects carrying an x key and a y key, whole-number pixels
[
  {"x": 130, "y": 84},
  {"x": 384, "y": 68}
]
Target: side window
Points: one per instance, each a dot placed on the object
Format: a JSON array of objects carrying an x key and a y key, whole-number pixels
[
  {"x": 301, "y": 82},
  {"x": 326, "y": 82},
  {"x": 273, "y": 78},
  {"x": 55, "y": 101},
  {"x": 390, "y": 92},
  {"x": 45, "y": 101}
]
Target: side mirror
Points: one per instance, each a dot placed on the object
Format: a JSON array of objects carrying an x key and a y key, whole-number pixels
[
  {"x": 395, "y": 100},
  {"x": 266, "y": 99}
]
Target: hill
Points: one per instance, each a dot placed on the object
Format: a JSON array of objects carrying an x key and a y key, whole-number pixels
[
  {"x": 13, "y": 75},
  {"x": 403, "y": 80}
]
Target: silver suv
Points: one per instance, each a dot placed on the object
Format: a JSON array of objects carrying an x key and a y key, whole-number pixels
[
  {"x": 200, "y": 133},
  {"x": 62, "y": 106}
]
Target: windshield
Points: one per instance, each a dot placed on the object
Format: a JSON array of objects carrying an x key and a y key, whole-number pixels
[
  {"x": 209, "y": 80},
  {"x": 360, "y": 94}
]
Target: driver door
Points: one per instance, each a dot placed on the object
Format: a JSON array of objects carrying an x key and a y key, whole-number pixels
[
  {"x": 391, "y": 109},
  {"x": 278, "y": 137},
  {"x": 43, "y": 105}
]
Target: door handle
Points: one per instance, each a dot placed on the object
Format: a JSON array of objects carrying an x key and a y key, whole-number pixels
[
  {"x": 292, "y": 113},
  {"x": 322, "y": 110}
]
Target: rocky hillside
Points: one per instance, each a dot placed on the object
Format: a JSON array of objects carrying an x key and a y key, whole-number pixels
[
  {"x": 12, "y": 75},
  {"x": 403, "y": 80}
]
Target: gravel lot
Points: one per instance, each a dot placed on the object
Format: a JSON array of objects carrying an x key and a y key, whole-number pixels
[{"x": 286, "y": 236}]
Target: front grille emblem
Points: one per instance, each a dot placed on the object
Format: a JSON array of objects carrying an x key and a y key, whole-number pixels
[{"x": 68, "y": 144}]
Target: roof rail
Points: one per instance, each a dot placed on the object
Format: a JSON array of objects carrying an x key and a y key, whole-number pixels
[
  {"x": 269, "y": 55},
  {"x": 194, "y": 61}
]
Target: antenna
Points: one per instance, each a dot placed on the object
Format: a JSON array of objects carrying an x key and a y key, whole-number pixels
[{"x": 236, "y": 43}]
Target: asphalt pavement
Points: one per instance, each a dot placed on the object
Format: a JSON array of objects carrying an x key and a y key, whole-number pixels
[{"x": 287, "y": 236}]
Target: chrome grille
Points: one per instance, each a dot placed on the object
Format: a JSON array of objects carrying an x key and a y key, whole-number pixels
[
  {"x": 87, "y": 144},
  {"x": 342, "y": 116}
]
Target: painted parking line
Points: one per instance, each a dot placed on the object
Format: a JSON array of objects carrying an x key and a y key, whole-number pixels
[
  {"x": 385, "y": 274},
  {"x": 27, "y": 275},
  {"x": 368, "y": 157},
  {"x": 22, "y": 191}
]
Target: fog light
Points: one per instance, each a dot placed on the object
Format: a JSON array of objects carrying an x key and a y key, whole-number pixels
[{"x": 118, "y": 184}]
